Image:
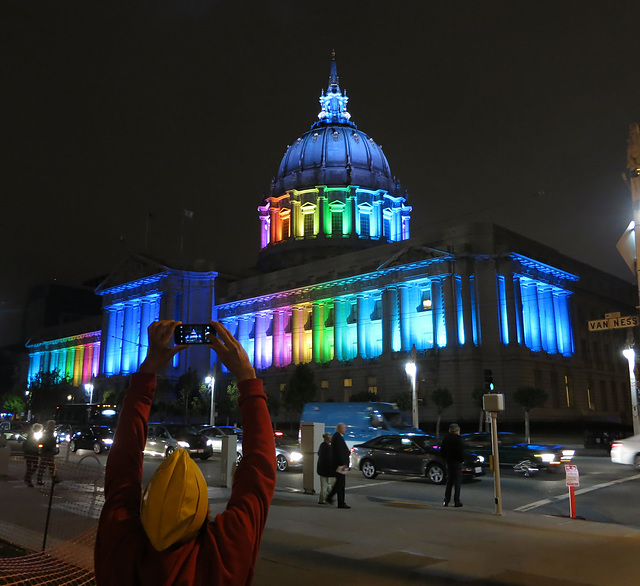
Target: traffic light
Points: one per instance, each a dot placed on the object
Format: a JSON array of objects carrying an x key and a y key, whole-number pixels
[{"x": 488, "y": 381}]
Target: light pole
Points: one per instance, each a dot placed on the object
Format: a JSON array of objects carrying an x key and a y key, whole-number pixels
[
  {"x": 88, "y": 387},
  {"x": 211, "y": 381},
  {"x": 630, "y": 355},
  {"x": 411, "y": 369}
]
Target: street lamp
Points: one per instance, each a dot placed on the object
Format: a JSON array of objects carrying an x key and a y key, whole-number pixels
[
  {"x": 88, "y": 387},
  {"x": 211, "y": 381},
  {"x": 630, "y": 355},
  {"x": 411, "y": 369}
]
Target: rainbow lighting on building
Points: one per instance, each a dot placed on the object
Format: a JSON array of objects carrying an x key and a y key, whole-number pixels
[
  {"x": 423, "y": 304},
  {"x": 76, "y": 357}
]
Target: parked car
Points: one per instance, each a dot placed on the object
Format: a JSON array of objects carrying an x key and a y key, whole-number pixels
[
  {"x": 164, "y": 438},
  {"x": 13, "y": 440},
  {"x": 626, "y": 451},
  {"x": 513, "y": 449},
  {"x": 92, "y": 437},
  {"x": 409, "y": 455},
  {"x": 63, "y": 432},
  {"x": 288, "y": 453},
  {"x": 215, "y": 434}
]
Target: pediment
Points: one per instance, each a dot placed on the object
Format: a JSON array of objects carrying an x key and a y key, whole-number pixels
[
  {"x": 134, "y": 268},
  {"x": 412, "y": 254}
]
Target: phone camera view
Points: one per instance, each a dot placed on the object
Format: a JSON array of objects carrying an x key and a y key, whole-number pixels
[{"x": 192, "y": 334}]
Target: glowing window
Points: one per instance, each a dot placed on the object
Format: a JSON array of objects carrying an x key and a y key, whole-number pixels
[
  {"x": 348, "y": 382},
  {"x": 308, "y": 225},
  {"x": 324, "y": 384},
  {"x": 336, "y": 223},
  {"x": 365, "y": 225}
]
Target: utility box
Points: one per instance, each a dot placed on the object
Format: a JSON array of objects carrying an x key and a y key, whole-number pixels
[
  {"x": 228, "y": 459},
  {"x": 310, "y": 440},
  {"x": 493, "y": 402}
]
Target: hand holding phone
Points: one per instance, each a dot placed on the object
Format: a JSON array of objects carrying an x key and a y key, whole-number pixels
[{"x": 192, "y": 334}]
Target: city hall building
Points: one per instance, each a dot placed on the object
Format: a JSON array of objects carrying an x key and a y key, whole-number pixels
[{"x": 345, "y": 283}]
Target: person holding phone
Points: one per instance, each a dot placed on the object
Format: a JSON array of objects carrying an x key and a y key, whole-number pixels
[{"x": 164, "y": 536}]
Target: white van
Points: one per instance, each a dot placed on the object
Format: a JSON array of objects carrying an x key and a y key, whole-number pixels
[{"x": 363, "y": 420}]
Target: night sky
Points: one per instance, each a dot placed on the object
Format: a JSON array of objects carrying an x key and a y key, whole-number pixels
[{"x": 118, "y": 116}]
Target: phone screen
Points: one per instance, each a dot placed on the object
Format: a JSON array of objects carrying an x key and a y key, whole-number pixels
[{"x": 192, "y": 334}]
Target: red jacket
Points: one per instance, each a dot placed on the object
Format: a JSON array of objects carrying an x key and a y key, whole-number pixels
[{"x": 226, "y": 549}]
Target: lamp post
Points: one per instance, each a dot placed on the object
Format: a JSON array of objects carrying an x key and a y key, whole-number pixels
[
  {"x": 88, "y": 387},
  {"x": 630, "y": 355},
  {"x": 411, "y": 369},
  {"x": 211, "y": 381}
]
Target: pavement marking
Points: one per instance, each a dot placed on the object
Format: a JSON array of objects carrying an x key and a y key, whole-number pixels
[
  {"x": 369, "y": 485},
  {"x": 565, "y": 496}
]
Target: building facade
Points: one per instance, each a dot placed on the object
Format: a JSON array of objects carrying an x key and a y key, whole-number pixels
[{"x": 343, "y": 284}]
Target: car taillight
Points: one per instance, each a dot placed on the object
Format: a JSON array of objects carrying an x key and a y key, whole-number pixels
[{"x": 616, "y": 445}]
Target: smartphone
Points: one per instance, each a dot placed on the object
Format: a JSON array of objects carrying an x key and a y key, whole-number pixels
[{"x": 192, "y": 334}]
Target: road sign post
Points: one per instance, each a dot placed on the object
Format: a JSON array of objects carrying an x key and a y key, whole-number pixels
[{"x": 573, "y": 480}]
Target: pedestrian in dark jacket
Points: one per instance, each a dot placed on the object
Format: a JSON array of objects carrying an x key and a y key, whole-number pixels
[
  {"x": 48, "y": 449},
  {"x": 452, "y": 450},
  {"x": 31, "y": 449},
  {"x": 325, "y": 468},
  {"x": 340, "y": 454}
]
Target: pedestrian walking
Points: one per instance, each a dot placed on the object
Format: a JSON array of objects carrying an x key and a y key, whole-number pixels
[
  {"x": 452, "y": 450},
  {"x": 31, "y": 450},
  {"x": 340, "y": 455},
  {"x": 48, "y": 450},
  {"x": 325, "y": 468}
]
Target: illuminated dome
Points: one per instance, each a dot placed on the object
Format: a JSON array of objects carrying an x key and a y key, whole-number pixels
[{"x": 334, "y": 191}]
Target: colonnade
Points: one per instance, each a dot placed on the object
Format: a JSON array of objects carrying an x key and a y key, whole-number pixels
[{"x": 78, "y": 361}]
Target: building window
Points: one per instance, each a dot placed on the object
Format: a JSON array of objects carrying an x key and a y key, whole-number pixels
[
  {"x": 372, "y": 385},
  {"x": 386, "y": 228},
  {"x": 286, "y": 227},
  {"x": 324, "y": 384},
  {"x": 347, "y": 383},
  {"x": 336, "y": 224},
  {"x": 308, "y": 225},
  {"x": 365, "y": 229}
]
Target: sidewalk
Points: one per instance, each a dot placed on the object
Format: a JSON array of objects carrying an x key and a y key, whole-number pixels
[
  {"x": 384, "y": 541},
  {"x": 388, "y": 542}
]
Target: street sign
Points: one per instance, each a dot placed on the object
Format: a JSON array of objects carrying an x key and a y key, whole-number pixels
[
  {"x": 614, "y": 323},
  {"x": 573, "y": 477}
]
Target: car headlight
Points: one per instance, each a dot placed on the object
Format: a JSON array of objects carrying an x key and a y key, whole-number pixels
[
  {"x": 295, "y": 456},
  {"x": 107, "y": 441},
  {"x": 183, "y": 444},
  {"x": 480, "y": 459},
  {"x": 209, "y": 442},
  {"x": 547, "y": 458},
  {"x": 568, "y": 454}
]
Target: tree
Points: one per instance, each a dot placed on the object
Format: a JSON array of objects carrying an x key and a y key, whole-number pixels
[
  {"x": 300, "y": 389},
  {"x": 191, "y": 391},
  {"x": 273, "y": 403},
  {"x": 47, "y": 390},
  {"x": 442, "y": 399},
  {"x": 228, "y": 405},
  {"x": 402, "y": 400},
  {"x": 13, "y": 403},
  {"x": 477, "y": 394},
  {"x": 529, "y": 398}
]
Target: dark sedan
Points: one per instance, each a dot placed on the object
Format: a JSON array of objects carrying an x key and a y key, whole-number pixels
[
  {"x": 513, "y": 449},
  {"x": 415, "y": 455},
  {"x": 94, "y": 437}
]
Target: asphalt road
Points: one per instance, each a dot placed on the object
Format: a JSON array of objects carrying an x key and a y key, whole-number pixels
[{"x": 607, "y": 491}]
